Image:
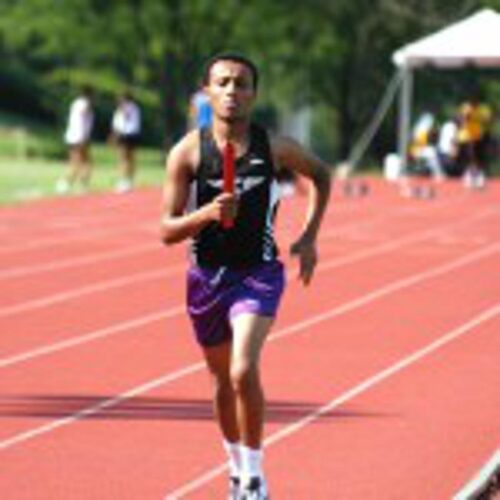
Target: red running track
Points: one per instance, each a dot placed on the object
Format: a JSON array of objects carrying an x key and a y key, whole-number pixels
[{"x": 381, "y": 377}]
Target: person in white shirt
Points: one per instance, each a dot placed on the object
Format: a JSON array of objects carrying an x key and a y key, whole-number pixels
[
  {"x": 448, "y": 146},
  {"x": 78, "y": 137},
  {"x": 423, "y": 148},
  {"x": 126, "y": 129}
]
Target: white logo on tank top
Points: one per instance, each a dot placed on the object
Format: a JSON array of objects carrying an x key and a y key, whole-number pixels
[
  {"x": 243, "y": 184},
  {"x": 256, "y": 161}
]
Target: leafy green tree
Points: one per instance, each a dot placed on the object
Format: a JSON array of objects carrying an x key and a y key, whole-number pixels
[{"x": 334, "y": 55}]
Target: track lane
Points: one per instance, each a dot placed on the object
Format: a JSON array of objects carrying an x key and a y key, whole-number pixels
[
  {"x": 11, "y": 345},
  {"x": 198, "y": 405},
  {"x": 416, "y": 435},
  {"x": 308, "y": 390},
  {"x": 94, "y": 377},
  {"x": 59, "y": 315}
]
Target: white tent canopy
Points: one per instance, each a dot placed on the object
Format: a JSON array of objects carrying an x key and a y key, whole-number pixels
[{"x": 473, "y": 41}]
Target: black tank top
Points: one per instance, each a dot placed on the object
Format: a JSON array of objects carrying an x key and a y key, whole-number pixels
[{"x": 250, "y": 241}]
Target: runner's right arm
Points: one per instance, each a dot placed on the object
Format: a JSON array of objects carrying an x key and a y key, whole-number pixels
[{"x": 176, "y": 224}]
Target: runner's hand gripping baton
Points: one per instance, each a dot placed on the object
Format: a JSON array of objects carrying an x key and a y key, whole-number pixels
[{"x": 229, "y": 174}]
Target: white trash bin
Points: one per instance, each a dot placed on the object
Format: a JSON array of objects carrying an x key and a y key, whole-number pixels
[{"x": 392, "y": 167}]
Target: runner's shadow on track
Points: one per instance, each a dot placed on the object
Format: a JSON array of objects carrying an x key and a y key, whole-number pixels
[{"x": 150, "y": 408}]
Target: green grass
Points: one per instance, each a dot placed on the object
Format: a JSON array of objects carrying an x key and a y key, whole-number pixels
[
  {"x": 33, "y": 156},
  {"x": 23, "y": 179}
]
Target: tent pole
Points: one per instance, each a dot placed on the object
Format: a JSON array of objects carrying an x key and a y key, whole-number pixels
[
  {"x": 405, "y": 99},
  {"x": 366, "y": 138}
]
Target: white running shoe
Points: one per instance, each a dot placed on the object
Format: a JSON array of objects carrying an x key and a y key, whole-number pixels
[
  {"x": 234, "y": 488},
  {"x": 255, "y": 489}
]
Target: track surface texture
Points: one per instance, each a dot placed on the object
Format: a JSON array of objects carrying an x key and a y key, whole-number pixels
[{"x": 381, "y": 377}]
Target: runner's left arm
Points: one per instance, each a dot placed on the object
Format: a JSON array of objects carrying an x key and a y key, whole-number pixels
[{"x": 292, "y": 156}]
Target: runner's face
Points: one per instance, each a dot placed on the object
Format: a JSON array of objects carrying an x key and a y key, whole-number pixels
[{"x": 231, "y": 90}]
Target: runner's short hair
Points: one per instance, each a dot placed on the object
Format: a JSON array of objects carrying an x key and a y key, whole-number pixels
[{"x": 230, "y": 56}]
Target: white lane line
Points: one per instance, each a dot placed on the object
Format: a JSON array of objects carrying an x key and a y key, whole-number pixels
[
  {"x": 95, "y": 257},
  {"x": 98, "y": 234},
  {"x": 392, "y": 287},
  {"x": 104, "y": 404},
  {"x": 82, "y": 213},
  {"x": 480, "y": 481},
  {"x": 134, "y": 279},
  {"x": 89, "y": 337},
  {"x": 122, "y": 327},
  {"x": 368, "y": 383},
  {"x": 397, "y": 212},
  {"x": 361, "y": 301},
  {"x": 92, "y": 258},
  {"x": 152, "y": 227},
  {"x": 131, "y": 279},
  {"x": 40, "y": 214}
]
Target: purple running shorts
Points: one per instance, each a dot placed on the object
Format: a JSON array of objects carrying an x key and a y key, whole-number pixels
[{"x": 214, "y": 296}]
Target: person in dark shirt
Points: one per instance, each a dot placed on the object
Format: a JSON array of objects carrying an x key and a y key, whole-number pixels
[{"x": 236, "y": 279}]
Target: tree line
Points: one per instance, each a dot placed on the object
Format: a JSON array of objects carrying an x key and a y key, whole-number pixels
[{"x": 334, "y": 56}]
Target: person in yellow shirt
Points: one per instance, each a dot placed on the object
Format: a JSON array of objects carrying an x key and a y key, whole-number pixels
[{"x": 474, "y": 121}]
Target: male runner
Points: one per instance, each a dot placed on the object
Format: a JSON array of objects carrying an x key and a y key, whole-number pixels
[{"x": 236, "y": 279}]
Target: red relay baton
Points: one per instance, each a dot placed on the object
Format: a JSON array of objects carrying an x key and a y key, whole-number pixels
[{"x": 228, "y": 170}]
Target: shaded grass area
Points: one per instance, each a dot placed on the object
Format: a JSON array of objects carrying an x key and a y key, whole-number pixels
[
  {"x": 23, "y": 179},
  {"x": 33, "y": 156}
]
